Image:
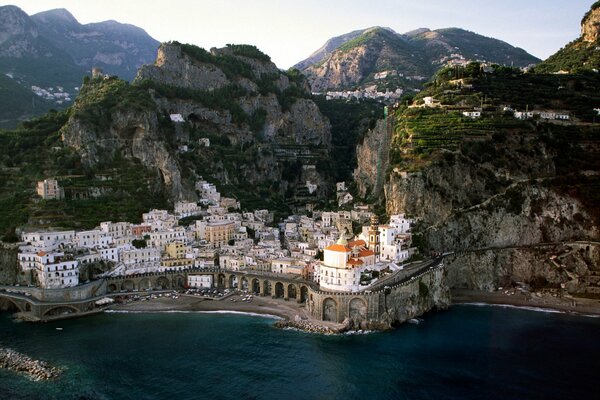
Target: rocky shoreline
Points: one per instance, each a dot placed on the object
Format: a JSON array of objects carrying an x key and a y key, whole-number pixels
[{"x": 35, "y": 370}]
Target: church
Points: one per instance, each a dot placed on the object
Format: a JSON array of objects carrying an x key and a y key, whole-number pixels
[{"x": 344, "y": 261}]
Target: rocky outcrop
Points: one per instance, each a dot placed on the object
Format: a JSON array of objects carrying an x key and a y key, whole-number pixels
[
  {"x": 299, "y": 125},
  {"x": 35, "y": 370},
  {"x": 173, "y": 68},
  {"x": 373, "y": 160},
  {"x": 590, "y": 26},
  {"x": 573, "y": 266},
  {"x": 428, "y": 292},
  {"x": 131, "y": 134},
  {"x": 9, "y": 270}
]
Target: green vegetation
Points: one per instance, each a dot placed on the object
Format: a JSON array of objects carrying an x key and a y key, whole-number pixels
[
  {"x": 120, "y": 190},
  {"x": 349, "y": 123},
  {"x": 23, "y": 103},
  {"x": 576, "y": 57},
  {"x": 100, "y": 98},
  {"x": 230, "y": 65},
  {"x": 250, "y": 51},
  {"x": 219, "y": 99}
]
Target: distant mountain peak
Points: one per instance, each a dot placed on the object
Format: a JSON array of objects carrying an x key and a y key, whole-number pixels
[
  {"x": 57, "y": 15},
  {"x": 380, "y": 56}
]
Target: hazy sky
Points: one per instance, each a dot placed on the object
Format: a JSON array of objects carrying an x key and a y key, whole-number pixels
[{"x": 290, "y": 30}]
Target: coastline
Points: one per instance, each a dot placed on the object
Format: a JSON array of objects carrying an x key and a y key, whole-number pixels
[
  {"x": 287, "y": 313},
  {"x": 537, "y": 302}
]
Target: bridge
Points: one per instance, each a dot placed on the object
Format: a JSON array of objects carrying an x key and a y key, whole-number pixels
[
  {"x": 284, "y": 286},
  {"x": 35, "y": 304},
  {"x": 388, "y": 298}
]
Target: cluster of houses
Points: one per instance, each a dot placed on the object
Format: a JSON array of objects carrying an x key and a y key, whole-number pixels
[
  {"x": 549, "y": 115},
  {"x": 58, "y": 95},
  {"x": 214, "y": 233},
  {"x": 369, "y": 92}
]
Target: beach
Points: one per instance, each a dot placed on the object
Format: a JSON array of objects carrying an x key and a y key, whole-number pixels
[
  {"x": 289, "y": 310},
  {"x": 535, "y": 300}
]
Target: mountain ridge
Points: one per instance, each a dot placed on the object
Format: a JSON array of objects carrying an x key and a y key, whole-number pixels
[{"x": 413, "y": 56}]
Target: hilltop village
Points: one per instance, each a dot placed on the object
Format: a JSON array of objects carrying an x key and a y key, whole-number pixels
[{"x": 321, "y": 246}]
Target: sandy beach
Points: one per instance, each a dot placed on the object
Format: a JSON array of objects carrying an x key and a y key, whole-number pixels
[
  {"x": 288, "y": 310},
  {"x": 530, "y": 300}
]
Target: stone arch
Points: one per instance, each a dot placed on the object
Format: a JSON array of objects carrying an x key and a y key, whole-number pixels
[
  {"x": 278, "y": 292},
  {"x": 128, "y": 285},
  {"x": 8, "y": 304},
  {"x": 357, "y": 309},
  {"x": 330, "y": 310},
  {"x": 267, "y": 288},
  {"x": 221, "y": 280},
  {"x": 178, "y": 282},
  {"x": 144, "y": 284},
  {"x": 231, "y": 281},
  {"x": 60, "y": 310},
  {"x": 112, "y": 288},
  {"x": 303, "y": 294},
  {"x": 162, "y": 283},
  {"x": 292, "y": 291},
  {"x": 255, "y": 286}
]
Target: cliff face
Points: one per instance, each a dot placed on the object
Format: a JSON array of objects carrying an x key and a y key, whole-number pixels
[
  {"x": 372, "y": 155},
  {"x": 429, "y": 292},
  {"x": 496, "y": 204},
  {"x": 590, "y": 26},
  {"x": 261, "y": 125},
  {"x": 572, "y": 266}
]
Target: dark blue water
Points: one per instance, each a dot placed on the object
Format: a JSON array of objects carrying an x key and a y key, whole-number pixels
[{"x": 467, "y": 352}]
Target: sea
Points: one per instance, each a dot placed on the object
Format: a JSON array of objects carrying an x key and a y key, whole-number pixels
[{"x": 466, "y": 352}]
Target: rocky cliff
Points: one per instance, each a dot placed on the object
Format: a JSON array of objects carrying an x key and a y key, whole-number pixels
[
  {"x": 590, "y": 25},
  {"x": 261, "y": 124},
  {"x": 382, "y": 57},
  {"x": 373, "y": 160},
  {"x": 581, "y": 55},
  {"x": 495, "y": 203}
]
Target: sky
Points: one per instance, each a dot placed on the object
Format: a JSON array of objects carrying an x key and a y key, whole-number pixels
[{"x": 289, "y": 31}]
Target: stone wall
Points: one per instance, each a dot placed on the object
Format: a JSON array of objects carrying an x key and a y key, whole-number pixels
[
  {"x": 78, "y": 293},
  {"x": 383, "y": 308}
]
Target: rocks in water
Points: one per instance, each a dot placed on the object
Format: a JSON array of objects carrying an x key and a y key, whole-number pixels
[
  {"x": 35, "y": 370},
  {"x": 308, "y": 326}
]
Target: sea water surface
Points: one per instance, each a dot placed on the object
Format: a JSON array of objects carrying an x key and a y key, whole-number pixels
[{"x": 467, "y": 352}]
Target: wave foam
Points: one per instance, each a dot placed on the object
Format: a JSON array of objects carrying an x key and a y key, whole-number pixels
[
  {"x": 252, "y": 314},
  {"x": 530, "y": 308}
]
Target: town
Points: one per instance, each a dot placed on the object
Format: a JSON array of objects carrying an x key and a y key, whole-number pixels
[{"x": 213, "y": 233}]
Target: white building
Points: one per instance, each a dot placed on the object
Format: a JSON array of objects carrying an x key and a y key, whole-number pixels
[
  {"x": 54, "y": 270},
  {"x": 116, "y": 229},
  {"x": 343, "y": 264},
  {"x": 48, "y": 240},
  {"x": 186, "y": 208},
  {"x": 149, "y": 257},
  {"x": 200, "y": 281},
  {"x": 92, "y": 239}
]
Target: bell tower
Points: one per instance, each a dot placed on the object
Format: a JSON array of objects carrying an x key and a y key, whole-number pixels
[{"x": 374, "y": 244}]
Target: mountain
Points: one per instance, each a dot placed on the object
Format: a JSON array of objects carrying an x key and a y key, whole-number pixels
[
  {"x": 227, "y": 115},
  {"x": 514, "y": 201},
  {"x": 390, "y": 60},
  {"x": 29, "y": 57},
  {"x": 53, "y": 51},
  {"x": 23, "y": 102},
  {"x": 119, "y": 49},
  {"x": 582, "y": 54},
  {"x": 329, "y": 47}
]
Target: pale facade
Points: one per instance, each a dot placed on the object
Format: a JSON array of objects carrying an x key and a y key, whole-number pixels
[
  {"x": 200, "y": 281},
  {"x": 48, "y": 189},
  {"x": 343, "y": 264}
]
